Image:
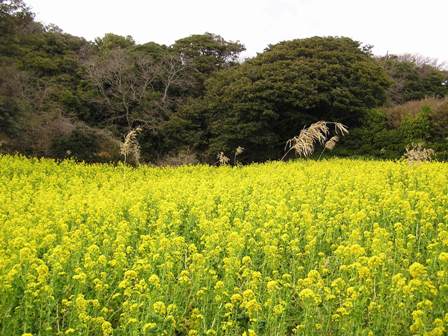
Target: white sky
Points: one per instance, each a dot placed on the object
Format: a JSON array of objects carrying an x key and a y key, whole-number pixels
[{"x": 394, "y": 26}]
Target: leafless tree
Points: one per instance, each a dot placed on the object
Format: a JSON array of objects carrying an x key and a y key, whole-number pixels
[
  {"x": 422, "y": 61},
  {"x": 136, "y": 87}
]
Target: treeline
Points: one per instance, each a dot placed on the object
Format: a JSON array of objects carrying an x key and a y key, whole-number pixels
[{"x": 62, "y": 96}]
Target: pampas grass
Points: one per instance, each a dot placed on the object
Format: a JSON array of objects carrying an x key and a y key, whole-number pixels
[
  {"x": 305, "y": 142},
  {"x": 415, "y": 153},
  {"x": 238, "y": 151},
  {"x": 130, "y": 148},
  {"x": 330, "y": 144},
  {"x": 222, "y": 159}
]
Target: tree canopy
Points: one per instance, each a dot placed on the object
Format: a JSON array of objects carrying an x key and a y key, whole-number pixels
[
  {"x": 265, "y": 100},
  {"x": 414, "y": 78}
]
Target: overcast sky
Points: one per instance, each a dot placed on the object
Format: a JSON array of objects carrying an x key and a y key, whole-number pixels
[{"x": 394, "y": 26}]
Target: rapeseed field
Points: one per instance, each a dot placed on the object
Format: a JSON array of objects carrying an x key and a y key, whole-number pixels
[{"x": 337, "y": 247}]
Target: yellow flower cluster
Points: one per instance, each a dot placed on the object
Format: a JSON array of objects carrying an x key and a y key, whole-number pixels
[{"x": 338, "y": 247}]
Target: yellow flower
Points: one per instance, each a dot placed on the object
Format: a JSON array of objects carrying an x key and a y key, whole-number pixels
[
  {"x": 219, "y": 285},
  {"x": 272, "y": 285},
  {"x": 172, "y": 308},
  {"x": 149, "y": 326},
  {"x": 81, "y": 302},
  {"x": 171, "y": 320},
  {"x": 341, "y": 311},
  {"x": 356, "y": 250},
  {"x": 130, "y": 274},
  {"x": 235, "y": 298},
  {"x": 246, "y": 260},
  {"x": 443, "y": 257},
  {"x": 308, "y": 296},
  {"x": 102, "y": 260},
  {"x": 249, "y": 332},
  {"x": 106, "y": 328},
  {"x": 248, "y": 294},
  {"x": 278, "y": 309},
  {"x": 252, "y": 307},
  {"x": 314, "y": 275},
  {"x": 159, "y": 307},
  {"x": 225, "y": 244},
  {"x": 417, "y": 270},
  {"x": 363, "y": 272},
  {"x": 398, "y": 280},
  {"x": 437, "y": 331},
  {"x": 425, "y": 305},
  {"x": 154, "y": 280}
]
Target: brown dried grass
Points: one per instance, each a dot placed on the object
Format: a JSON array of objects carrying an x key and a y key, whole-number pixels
[
  {"x": 415, "y": 153},
  {"x": 396, "y": 114},
  {"x": 130, "y": 148},
  {"x": 222, "y": 159},
  {"x": 305, "y": 142}
]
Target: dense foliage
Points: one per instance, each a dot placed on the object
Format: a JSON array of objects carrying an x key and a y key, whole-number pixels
[
  {"x": 263, "y": 102},
  {"x": 337, "y": 247},
  {"x": 414, "y": 78},
  {"x": 385, "y": 132},
  {"x": 62, "y": 96}
]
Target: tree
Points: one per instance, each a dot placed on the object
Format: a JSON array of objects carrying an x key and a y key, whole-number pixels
[
  {"x": 146, "y": 85},
  {"x": 414, "y": 77},
  {"x": 16, "y": 19},
  {"x": 123, "y": 84},
  {"x": 261, "y": 103},
  {"x": 14, "y": 15},
  {"x": 206, "y": 54},
  {"x": 111, "y": 41},
  {"x": 135, "y": 87},
  {"x": 13, "y": 101}
]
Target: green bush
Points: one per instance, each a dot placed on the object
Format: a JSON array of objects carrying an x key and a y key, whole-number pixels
[
  {"x": 416, "y": 128},
  {"x": 378, "y": 137},
  {"x": 86, "y": 144}
]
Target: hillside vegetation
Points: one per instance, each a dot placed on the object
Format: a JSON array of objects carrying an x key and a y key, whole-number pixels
[{"x": 62, "y": 96}]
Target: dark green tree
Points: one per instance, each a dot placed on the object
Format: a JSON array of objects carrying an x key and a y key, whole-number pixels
[
  {"x": 266, "y": 100},
  {"x": 111, "y": 41},
  {"x": 206, "y": 54},
  {"x": 15, "y": 20}
]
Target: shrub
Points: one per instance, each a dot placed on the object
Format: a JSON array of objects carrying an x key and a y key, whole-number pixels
[
  {"x": 386, "y": 132},
  {"x": 86, "y": 144}
]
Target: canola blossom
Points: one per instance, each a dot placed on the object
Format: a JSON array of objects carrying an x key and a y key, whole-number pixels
[{"x": 337, "y": 247}]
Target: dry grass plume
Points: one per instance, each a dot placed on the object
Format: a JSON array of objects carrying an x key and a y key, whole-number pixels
[
  {"x": 130, "y": 148},
  {"x": 305, "y": 142},
  {"x": 416, "y": 153}
]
